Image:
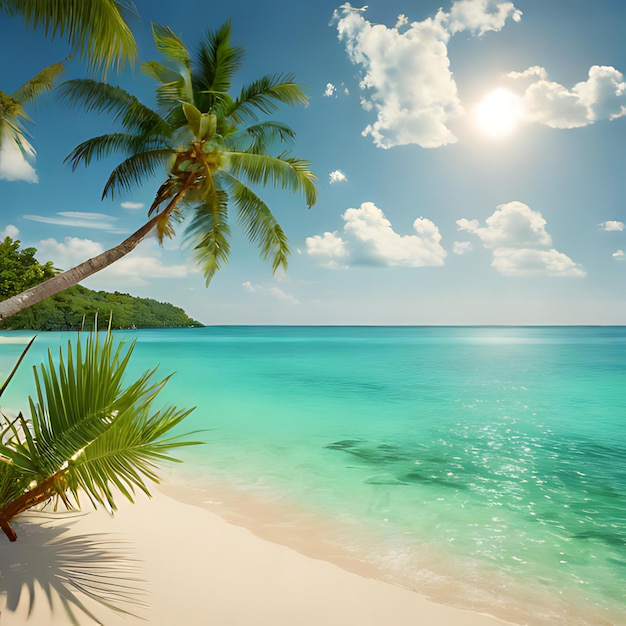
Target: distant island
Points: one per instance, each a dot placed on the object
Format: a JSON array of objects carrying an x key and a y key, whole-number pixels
[{"x": 77, "y": 306}]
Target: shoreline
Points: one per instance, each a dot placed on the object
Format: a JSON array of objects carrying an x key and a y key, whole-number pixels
[{"x": 166, "y": 561}]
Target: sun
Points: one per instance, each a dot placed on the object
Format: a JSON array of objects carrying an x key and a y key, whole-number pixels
[{"x": 499, "y": 113}]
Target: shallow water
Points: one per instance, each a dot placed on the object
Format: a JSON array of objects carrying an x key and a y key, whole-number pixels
[{"x": 481, "y": 465}]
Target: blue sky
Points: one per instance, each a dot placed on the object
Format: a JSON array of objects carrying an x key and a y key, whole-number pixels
[{"x": 470, "y": 165}]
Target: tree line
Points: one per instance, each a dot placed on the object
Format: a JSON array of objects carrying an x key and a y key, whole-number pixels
[{"x": 77, "y": 307}]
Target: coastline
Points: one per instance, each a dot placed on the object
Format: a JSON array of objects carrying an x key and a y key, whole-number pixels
[{"x": 165, "y": 561}]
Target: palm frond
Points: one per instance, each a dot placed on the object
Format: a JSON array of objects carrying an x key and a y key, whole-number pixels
[
  {"x": 259, "y": 137},
  {"x": 135, "y": 169},
  {"x": 12, "y": 110},
  {"x": 94, "y": 28},
  {"x": 89, "y": 429},
  {"x": 215, "y": 64},
  {"x": 40, "y": 83},
  {"x": 208, "y": 231},
  {"x": 283, "y": 171},
  {"x": 173, "y": 49},
  {"x": 259, "y": 223},
  {"x": 92, "y": 95},
  {"x": 170, "y": 45},
  {"x": 172, "y": 88},
  {"x": 264, "y": 95},
  {"x": 106, "y": 145}
]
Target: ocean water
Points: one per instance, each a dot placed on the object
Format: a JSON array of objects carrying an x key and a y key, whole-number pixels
[{"x": 482, "y": 466}]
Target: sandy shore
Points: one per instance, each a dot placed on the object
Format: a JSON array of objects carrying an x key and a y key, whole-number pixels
[{"x": 165, "y": 562}]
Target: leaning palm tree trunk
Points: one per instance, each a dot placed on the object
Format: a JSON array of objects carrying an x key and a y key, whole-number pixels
[{"x": 73, "y": 276}]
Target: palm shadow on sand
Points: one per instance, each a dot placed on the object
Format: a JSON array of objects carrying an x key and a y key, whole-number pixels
[{"x": 71, "y": 573}]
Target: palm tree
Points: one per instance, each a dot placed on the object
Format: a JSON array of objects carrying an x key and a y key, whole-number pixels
[
  {"x": 213, "y": 146},
  {"x": 12, "y": 113},
  {"x": 89, "y": 430},
  {"x": 95, "y": 29}
]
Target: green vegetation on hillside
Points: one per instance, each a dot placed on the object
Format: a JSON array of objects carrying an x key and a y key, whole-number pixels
[{"x": 76, "y": 306}]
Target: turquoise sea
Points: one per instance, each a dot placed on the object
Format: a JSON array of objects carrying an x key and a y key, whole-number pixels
[{"x": 483, "y": 466}]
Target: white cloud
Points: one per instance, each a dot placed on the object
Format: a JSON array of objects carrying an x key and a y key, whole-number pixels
[
  {"x": 619, "y": 255},
  {"x": 14, "y": 163},
  {"x": 9, "y": 231},
  {"x": 369, "y": 239},
  {"x": 462, "y": 247},
  {"x": 481, "y": 16},
  {"x": 511, "y": 225},
  {"x": 403, "y": 20},
  {"x": 145, "y": 262},
  {"x": 337, "y": 177},
  {"x": 601, "y": 97},
  {"x": 328, "y": 248},
  {"x": 520, "y": 242},
  {"x": 407, "y": 74},
  {"x": 611, "y": 225},
  {"x": 330, "y": 90},
  {"x": 524, "y": 261},
  {"x": 132, "y": 205},
  {"x": 277, "y": 292},
  {"x": 78, "y": 219},
  {"x": 68, "y": 253}
]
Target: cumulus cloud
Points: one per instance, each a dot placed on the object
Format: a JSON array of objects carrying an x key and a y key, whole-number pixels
[
  {"x": 337, "y": 177},
  {"x": 69, "y": 252},
  {"x": 520, "y": 243},
  {"x": 612, "y": 225},
  {"x": 329, "y": 249},
  {"x": 14, "y": 163},
  {"x": 481, "y": 16},
  {"x": 511, "y": 225},
  {"x": 78, "y": 219},
  {"x": 9, "y": 231},
  {"x": 619, "y": 255},
  {"x": 406, "y": 69},
  {"x": 144, "y": 263},
  {"x": 601, "y": 97},
  {"x": 277, "y": 292},
  {"x": 369, "y": 239},
  {"x": 132, "y": 205},
  {"x": 462, "y": 247}
]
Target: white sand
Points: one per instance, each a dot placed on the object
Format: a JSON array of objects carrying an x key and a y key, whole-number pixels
[{"x": 174, "y": 564}]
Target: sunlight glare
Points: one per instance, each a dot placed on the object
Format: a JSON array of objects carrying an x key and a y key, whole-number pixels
[{"x": 499, "y": 113}]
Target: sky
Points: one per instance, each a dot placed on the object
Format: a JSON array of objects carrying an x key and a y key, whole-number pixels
[{"x": 469, "y": 158}]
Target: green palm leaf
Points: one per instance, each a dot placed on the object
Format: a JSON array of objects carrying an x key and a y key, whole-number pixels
[
  {"x": 216, "y": 62},
  {"x": 263, "y": 169},
  {"x": 103, "y": 98},
  {"x": 208, "y": 231},
  {"x": 40, "y": 83},
  {"x": 259, "y": 223},
  {"x": 135, "y": 169},
  {"x": 261, "y": 136},
  {"x": 95, "y": 28},
  {"x": 172, "y": 89},
  {"x": 173, "y": 49},
  {"x": 11, "y": 107},
  {"x": 90, "y": 430},
  {"x": 105, "y": 145},
  {"x": 264, "y": 96}
]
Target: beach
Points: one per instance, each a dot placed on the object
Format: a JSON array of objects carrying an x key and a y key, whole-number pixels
[
  {"x": 162, "y": 561},
  {"x": 477, "y": 467}
]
